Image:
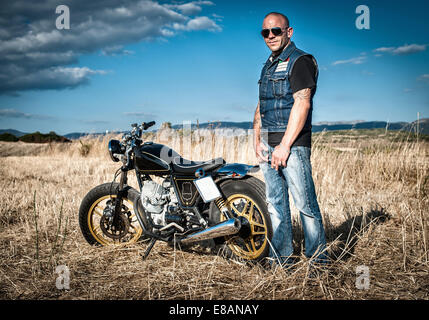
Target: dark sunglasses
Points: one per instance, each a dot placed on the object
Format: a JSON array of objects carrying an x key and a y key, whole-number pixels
[{"x": 276, "y": 31}]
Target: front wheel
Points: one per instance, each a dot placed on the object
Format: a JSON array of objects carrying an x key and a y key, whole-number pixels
[
  {"x": 246, "y": 198},
  {"x": 96, "y": 209}
]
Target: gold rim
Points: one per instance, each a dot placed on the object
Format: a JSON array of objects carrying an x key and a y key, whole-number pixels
[
  {"x": 95, "y": 213},
  {"x": 253, "y": 246}
]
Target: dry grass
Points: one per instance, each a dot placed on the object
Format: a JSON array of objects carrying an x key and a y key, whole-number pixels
[{"x": 374, "y": 196}]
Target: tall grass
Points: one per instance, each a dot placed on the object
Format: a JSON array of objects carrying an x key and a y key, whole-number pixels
[{"x": 373, "y": 192}]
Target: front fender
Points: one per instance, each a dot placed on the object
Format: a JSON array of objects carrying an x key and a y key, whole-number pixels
[{"x": 235, "y": 170}]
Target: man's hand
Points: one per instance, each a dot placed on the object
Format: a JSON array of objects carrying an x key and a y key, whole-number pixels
[
  {"x": 259, "y": 147},
  {"x": 279, "y": 156}
]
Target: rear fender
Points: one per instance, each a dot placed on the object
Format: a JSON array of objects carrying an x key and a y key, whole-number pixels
[{"x": 235, "y": 170}]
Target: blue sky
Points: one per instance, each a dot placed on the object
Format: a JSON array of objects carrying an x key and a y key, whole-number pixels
[{"x": 122, "y": 62}]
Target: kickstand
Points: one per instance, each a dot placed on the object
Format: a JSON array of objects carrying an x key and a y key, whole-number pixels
[{"x": 149, "y": 248}]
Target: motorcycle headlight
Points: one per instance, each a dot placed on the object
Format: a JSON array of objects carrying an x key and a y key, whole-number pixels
[{"x": 114, "y": 149}]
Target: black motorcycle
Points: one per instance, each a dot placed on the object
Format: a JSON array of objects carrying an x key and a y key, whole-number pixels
[{"x": 190, "y": 202}]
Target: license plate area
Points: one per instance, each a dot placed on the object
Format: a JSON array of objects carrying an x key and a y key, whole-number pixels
[{"x": 207, "y": 188}]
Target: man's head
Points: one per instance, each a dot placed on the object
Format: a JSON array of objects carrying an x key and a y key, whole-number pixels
[{"x": 276, "y": 43}]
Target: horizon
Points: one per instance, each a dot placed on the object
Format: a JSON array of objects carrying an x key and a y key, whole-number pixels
[
  {"x": 168, "y": 61},
  {"x": 185, "y": 123}
]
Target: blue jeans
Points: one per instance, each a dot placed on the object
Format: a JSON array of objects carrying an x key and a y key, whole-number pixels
[{"x": 297, "y": 178}]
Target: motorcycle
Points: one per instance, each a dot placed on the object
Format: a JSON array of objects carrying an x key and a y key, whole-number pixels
[{"x": 192, "y": 201}]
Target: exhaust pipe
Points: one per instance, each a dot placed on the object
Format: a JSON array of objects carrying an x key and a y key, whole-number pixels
[{"x": 226, "y": 228}]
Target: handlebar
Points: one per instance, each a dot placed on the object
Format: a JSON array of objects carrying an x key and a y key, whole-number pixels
[
  {"x": 136, "y": 132},
  {"x": 146, "y": 126},
  {"x": 133, "y": 138}
]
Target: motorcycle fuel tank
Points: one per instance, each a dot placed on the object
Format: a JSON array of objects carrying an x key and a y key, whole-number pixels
[{"x": 154, "y": 158}]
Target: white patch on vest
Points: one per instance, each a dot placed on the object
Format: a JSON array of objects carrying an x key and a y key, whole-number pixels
[{"x": 282, "y": 66}]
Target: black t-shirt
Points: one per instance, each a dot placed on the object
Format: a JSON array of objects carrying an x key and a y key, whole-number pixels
[{"x": 303, "y": 76}]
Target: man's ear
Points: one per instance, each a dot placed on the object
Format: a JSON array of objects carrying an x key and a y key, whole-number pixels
[{"x": 290, "y": 32}]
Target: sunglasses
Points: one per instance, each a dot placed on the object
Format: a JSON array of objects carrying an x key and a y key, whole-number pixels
[{"x": 275, "y": 31}]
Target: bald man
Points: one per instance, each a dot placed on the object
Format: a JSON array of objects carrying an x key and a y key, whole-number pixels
[{"x": 282, "y": 140}]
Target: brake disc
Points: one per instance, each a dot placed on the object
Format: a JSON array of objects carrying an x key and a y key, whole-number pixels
[{"x": 113, "y": 231}]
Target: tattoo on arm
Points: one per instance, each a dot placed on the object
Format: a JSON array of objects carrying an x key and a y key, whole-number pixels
[
  {"x": 304, "y": 94},
  {"x": 257, "y": 119}
]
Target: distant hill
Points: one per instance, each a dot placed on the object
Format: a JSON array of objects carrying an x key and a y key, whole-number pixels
[
  {"x": 35, "y": 137},
  {"x": 360, "y": 125},
  {"x": 8, "y": 137},
  {"x": 75, "y": 135},
  {"x": 423, "y": 127},
  {"x": 317, "y": 127},
  {"x": 218, "y": 125},
  {"x": 38, "y": 137},
  {"x": 16, "y": 133},
  {"x": 69, "y": 136},
  {"x": 328, "y": 126}
]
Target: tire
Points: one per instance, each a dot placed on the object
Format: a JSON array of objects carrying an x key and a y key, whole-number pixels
[
  {"x": 247, "y": 196},
  {"x": 92, "y": 221}
]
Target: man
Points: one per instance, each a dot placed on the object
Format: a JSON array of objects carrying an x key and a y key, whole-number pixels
[{"x": 283, "y": 119}]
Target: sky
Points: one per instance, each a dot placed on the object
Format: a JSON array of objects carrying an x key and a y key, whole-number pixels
[{"x": 123, "y": 61}]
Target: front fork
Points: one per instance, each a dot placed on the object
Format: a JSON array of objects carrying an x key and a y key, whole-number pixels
[
  {"x": 118, "y": 204},
  {"x": 121, "y": 194}
]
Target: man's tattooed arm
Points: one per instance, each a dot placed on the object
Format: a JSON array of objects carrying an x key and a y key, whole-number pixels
[
  {"x": 303, "y": 95},
  {"x": 298, "y": 116}
]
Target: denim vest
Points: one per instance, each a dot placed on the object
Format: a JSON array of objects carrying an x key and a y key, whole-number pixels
[{"x": 275, "y": 93}]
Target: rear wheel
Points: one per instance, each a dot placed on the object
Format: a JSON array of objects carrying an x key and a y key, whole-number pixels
[
  {"x": 95, "y": 212},
  {"x": 246, "y": 198}
]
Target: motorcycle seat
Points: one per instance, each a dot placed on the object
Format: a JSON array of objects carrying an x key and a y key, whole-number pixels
[{"x": 181, "y": 165}]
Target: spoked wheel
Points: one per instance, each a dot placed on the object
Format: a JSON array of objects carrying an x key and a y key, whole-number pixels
[
  {"x": 96, "y": 212},
  {"x": 246, "y": 199},
  {"x": 253, "y": 245}
]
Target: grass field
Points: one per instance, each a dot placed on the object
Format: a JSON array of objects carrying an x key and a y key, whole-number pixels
[{"x": 373, "y": 191}]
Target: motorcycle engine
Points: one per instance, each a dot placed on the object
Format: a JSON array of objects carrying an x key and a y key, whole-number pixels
[
  {"x": 160, "y": 202},
  {"x": 154, "y": 197}
]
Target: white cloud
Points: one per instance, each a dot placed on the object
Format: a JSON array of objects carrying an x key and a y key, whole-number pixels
[
  {"x": 77, "y": 73},
  {"x": 199, "y": 23},
  {"x": 384, "y": 49},
  {"x": 139, "y": 114},
  {"x": 12, "y": 113},
  {"x": 402, "y": 50},
  {"x": 116, "y": 51},
  {"x": 409, "y": 49},
  {"x": 190, "y": 8},
  {"x": 35, "y": 55},
  {"x": 356, "y": 60},
  {"x": 50, "y": 78},
  {"x": 424, "y": 77},
  {"x": 95, "y": 122},
  {"x": 202, "y": 23}
]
